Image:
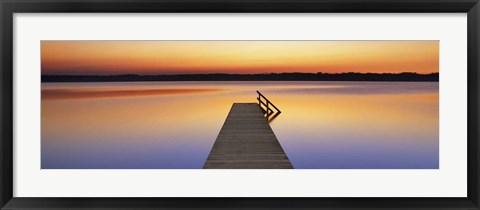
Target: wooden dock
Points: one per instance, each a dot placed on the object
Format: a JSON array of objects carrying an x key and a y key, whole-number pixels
[{"x": 246, "y": 141}]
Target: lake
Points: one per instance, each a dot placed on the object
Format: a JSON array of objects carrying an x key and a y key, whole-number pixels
[{"x": 173, "y": 125}]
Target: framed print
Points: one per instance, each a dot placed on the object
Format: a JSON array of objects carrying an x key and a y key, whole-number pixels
[{"x": 239, "y": 105}]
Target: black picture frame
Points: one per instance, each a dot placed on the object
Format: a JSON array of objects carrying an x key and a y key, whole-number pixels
[{"x": 9, "y": 7}]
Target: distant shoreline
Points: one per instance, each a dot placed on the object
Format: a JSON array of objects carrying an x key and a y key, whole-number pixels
[{"x": 351, "y": 76}]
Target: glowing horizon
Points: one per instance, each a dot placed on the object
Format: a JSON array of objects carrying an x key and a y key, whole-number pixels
[{"x": 237, "y": 57}]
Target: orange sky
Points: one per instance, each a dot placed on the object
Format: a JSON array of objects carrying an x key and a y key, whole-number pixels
[{"x": 178, "y": 57}]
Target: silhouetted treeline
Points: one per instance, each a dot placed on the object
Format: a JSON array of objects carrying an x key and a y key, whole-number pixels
[{"x": 351, "y": 76}]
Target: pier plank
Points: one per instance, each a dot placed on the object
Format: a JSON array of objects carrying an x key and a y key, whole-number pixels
[{"x": 246, "y": 141}]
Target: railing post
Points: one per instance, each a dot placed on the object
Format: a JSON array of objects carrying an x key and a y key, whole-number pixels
[{"x": 268, "y": 109}]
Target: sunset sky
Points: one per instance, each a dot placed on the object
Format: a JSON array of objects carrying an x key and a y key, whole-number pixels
[{"x": 180, "y": 57}]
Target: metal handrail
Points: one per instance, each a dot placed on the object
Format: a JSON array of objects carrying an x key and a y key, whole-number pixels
[{"x": 267, "y": 104}]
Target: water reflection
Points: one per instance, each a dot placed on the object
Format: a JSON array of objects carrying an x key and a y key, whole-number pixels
[
  {"x": 174, "y": 124},
  {"x": 102, "y": 93}
]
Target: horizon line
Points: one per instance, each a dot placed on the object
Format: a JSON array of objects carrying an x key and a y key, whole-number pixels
[{"x": 266, "y": 73}]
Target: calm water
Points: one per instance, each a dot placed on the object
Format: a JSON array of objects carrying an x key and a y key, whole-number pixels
[{"x": 170, "y": 125}]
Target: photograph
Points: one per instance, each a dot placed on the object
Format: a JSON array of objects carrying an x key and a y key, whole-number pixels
[{"x": 239, "y": 104}]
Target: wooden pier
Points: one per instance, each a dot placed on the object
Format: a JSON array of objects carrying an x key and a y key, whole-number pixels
[{"x": 246, "y": 141}]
